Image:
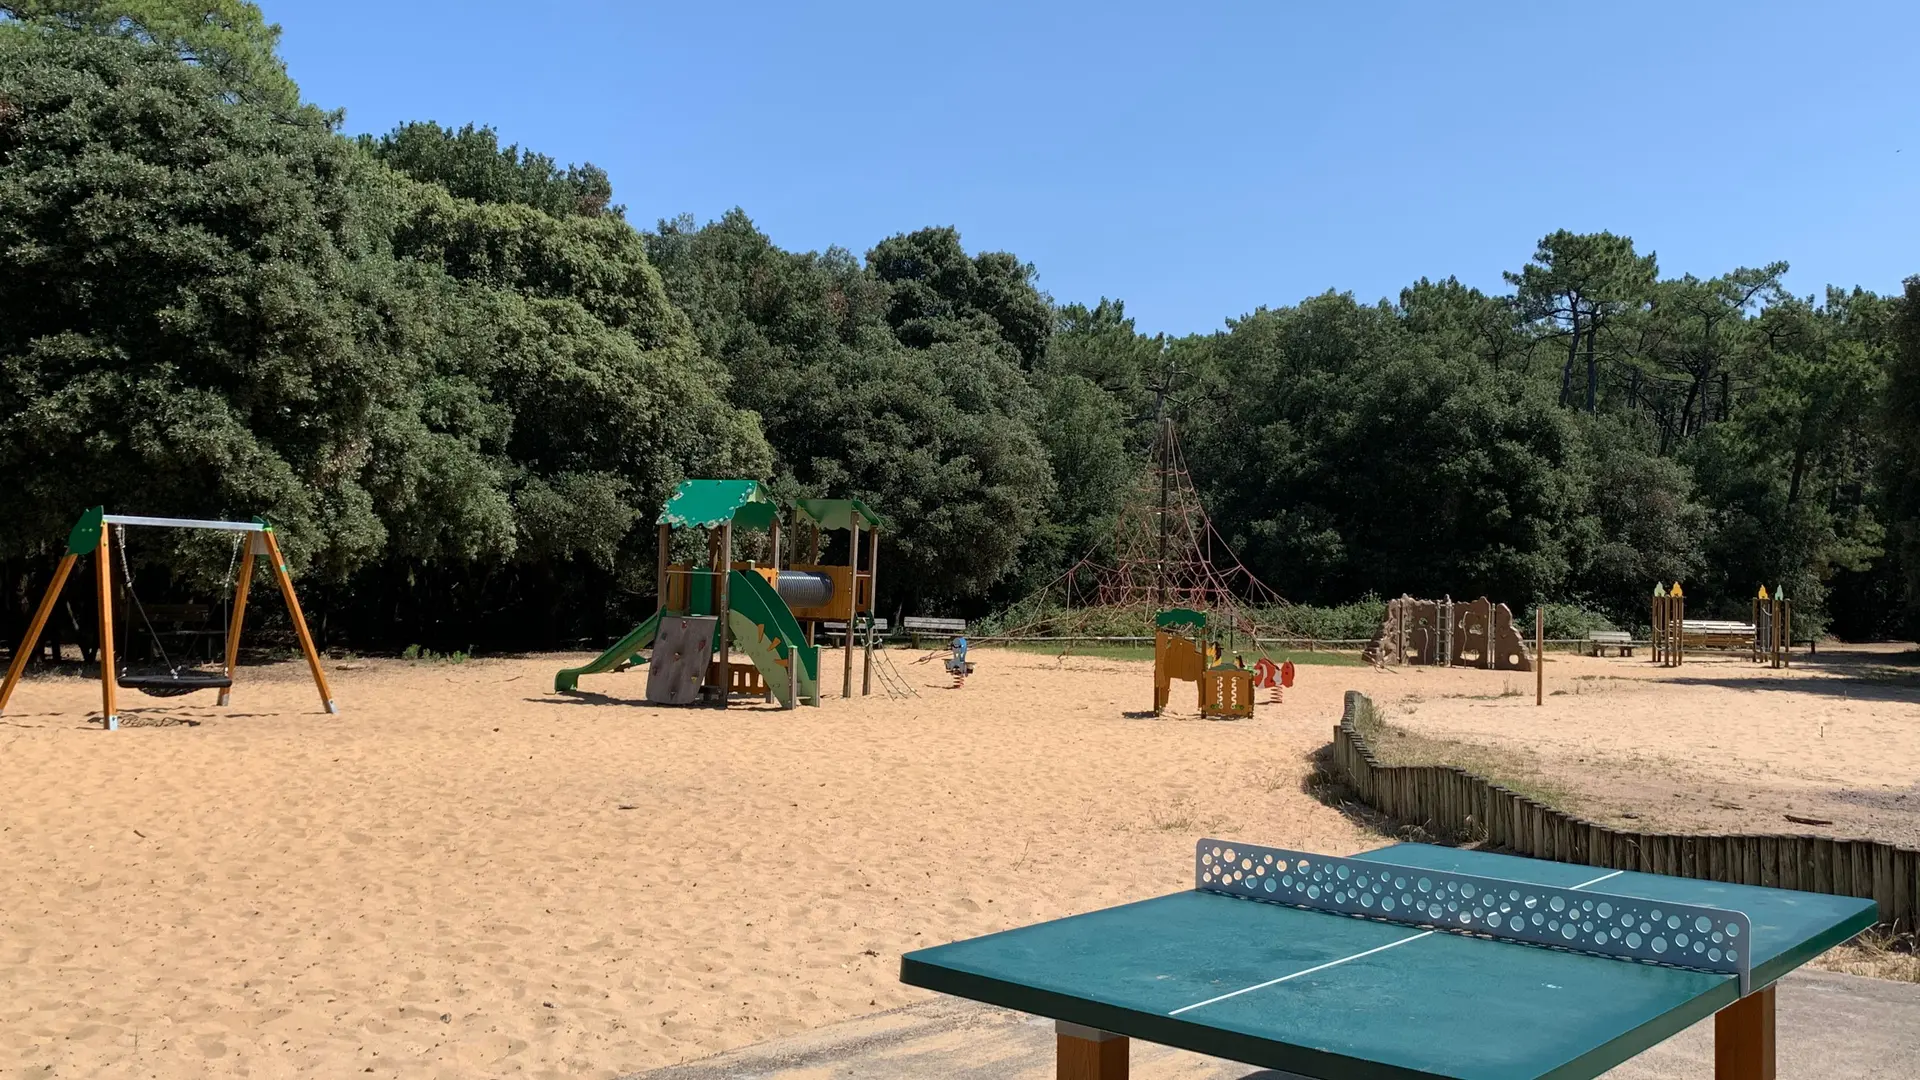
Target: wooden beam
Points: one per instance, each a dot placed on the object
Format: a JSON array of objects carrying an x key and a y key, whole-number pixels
[
  {"x": 40, "y": 615},
  {"x": 241, "y": 588},
  {"x": 1743, "y": 1043},
  {"x": 280, "y": 574},
  {"x": 103, "y": 572},
  {"x": 853, "y": 603},
  {"x": 873, "y": 605},
  {"x": 723, "y": 598},
  {"x": 660, "y": 572}
]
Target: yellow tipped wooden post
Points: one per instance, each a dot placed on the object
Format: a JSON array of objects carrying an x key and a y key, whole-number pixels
[
  {"x": 40, "y": 615},
  {"x": 279, "y": 564},
  {"x": 1679, "y": 615},
  {"x": 241, "y": 588},
  {"x": 103, "y": 572}
]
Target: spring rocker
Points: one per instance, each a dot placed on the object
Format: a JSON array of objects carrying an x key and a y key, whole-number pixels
[
  {"x": 96, "y": 534},
  {"x": 1182, "y": 649},
  {"x": 1273, "y": 678}
]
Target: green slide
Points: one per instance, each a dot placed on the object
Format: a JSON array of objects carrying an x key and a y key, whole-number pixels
[
  {"x": 764, "y": 628},
  {"x": 627, "y": 648}
]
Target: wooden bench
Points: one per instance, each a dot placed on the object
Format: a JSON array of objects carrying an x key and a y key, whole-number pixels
[
  {"x": 1619, "y": 640},
  {"x": 1716, "y": 634},
  {"x": 187, "y": 631},
  {"x": 917, "y": 626},
  {"x": 836, "y": 632}
]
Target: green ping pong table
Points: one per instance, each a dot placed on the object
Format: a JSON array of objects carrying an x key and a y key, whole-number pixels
[{"x": 1412, "y": 961}]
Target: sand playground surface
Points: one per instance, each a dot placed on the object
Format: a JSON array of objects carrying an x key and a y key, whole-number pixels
[{"x": 467, "y": 875}]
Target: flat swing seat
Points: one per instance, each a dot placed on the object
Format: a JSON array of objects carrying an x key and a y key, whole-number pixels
[{"x": 174, "y": 683}]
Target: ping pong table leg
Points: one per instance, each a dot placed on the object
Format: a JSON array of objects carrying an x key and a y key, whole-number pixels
[
  {"x": 1086, "y": 1053},
  {"x": 1743, "y": 1038}
]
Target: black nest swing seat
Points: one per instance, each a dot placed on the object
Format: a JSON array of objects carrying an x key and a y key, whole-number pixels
[{"x": 172, "y": 683}]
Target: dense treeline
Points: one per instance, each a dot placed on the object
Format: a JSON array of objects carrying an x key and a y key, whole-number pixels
[{"x": 462, "y": 381}]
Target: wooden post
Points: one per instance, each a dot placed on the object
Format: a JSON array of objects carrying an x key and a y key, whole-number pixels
[
  {"x": 1539, "y": 655},
  {"x": 723, "y": 565},
  {"x": 1087, "y": 1054},
  {"x": 1653, "y": 620},
  {"x": 873, "y": 604},
  {"x": 773, "y": 545},
  {"x": 280, "y": 574},
  {"x": 1679, "y": 626},
  {"x": 793, "y": 675},
  {"x": 662, "y": 560},
  {"x": 102, "y": 570},
  {"x": 1786, "y": 633},
  {"x": 1743, "y": 1043},
  {"x": 237, "y": 618},
  {"x": 40, "y": 615},
  {"x": 853, "y": 602}
]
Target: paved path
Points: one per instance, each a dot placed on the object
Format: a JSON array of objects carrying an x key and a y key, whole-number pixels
[{"x": 1832, "y": 1027}]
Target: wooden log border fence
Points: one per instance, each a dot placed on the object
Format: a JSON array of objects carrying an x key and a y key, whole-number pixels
[{"x": 1446, "y": 799}]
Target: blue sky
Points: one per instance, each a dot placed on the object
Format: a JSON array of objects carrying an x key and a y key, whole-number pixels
[{"x": 1197, "y": 161}]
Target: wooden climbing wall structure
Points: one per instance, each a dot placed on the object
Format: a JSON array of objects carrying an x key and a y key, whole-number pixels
[{"x": 1449, "y": 633}]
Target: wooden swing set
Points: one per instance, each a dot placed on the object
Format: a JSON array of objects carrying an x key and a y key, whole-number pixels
[{"x": 94, "y": 534}]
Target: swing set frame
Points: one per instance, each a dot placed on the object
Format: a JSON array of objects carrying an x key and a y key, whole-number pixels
[{"x": 93, "y": 535}]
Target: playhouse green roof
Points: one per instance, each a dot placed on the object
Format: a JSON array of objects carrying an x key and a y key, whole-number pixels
[
  {"x": 703, "y": 504},
  {"x": 838, "y": 513}
]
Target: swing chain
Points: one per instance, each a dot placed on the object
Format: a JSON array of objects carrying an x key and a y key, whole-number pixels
[{"x": 126, "y": 568}]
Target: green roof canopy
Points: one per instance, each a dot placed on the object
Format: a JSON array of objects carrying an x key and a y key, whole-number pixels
[
  {"x": 838, "y": 513},
  {"x": 1177, "y": 617},
  {"x": 703, "y": 504}
]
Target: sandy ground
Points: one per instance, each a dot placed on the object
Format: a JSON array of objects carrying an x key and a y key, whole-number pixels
[
  {"x": 1719, "y": 745},
  {"x": 466, "y": 875}
]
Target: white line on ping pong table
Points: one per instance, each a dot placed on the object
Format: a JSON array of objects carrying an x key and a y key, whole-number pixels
[
  {"x": 1309, "y": 971},
  {"x": 1345, "y": 959},
  {"x": 1597, "y": 880}
]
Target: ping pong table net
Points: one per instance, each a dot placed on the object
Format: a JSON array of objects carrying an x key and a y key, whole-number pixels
[{"x": 1573, "y": 918}]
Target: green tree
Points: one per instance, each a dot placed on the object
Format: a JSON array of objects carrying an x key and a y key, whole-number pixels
[
  {"x": 229, "y": 38},
  {"x": 1900, "y": 421},
  {"x": 1350, "y": 456},
  {"x": 1576, "y": 285},
  {"x": 459, "y": 411},
  {"x": 471, "y": 164},
  {"x": 940, "y": 293},
  {"x": 932, "y": 426},
  {"x": 1787, "y": 472}
]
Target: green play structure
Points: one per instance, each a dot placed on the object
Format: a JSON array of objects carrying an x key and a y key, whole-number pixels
[{"x": 746, "y": 606}]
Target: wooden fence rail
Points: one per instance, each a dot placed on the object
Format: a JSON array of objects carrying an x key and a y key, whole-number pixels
[{"x": 1446, "y": 799}]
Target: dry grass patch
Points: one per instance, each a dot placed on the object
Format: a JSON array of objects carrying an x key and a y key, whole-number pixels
[
  {"x": 1877, "y": 955},
  {"x": 1516, "y": 770}
]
